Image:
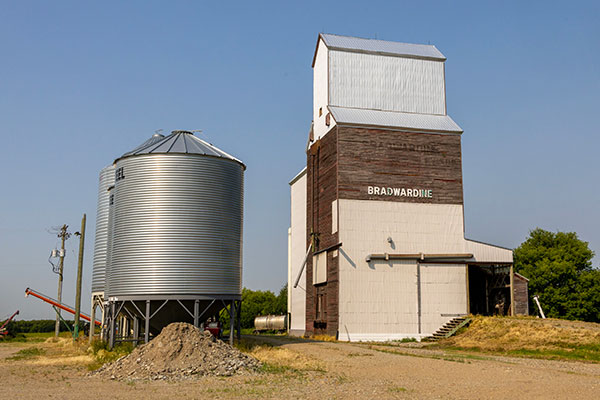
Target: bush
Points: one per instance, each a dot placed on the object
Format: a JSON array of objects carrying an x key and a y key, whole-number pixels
[{"x": 559, "y": 269}]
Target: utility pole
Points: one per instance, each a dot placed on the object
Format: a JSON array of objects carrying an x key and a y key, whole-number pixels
[
  {"x": 81, "y": 235},
  {"x": 63, "y": 235}
]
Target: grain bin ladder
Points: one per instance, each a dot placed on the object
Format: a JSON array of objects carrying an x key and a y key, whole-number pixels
[{"x": 57, "y": 304}]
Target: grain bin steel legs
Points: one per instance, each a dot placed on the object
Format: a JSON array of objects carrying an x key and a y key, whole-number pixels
[
  {"x": 127, "y": 317},
  {"x": 97, "y": 301}
]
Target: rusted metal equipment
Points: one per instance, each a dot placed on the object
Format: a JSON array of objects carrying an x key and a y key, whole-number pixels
[
  {"x": 3, "y": 329},
  {"x": 57, "y": 304}
]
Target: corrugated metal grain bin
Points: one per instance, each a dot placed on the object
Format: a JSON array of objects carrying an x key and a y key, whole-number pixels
[
  {"x": 107, "y": 179},
  {"x": 177, "y": 223}
]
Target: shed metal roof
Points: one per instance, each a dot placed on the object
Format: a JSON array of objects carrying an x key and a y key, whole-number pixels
[
  {"x": 375, "y": 46},
  {"x": 179, "y": 142},
  {"x": 417, "y": 122},
  {"x": 298, "y": 176}
]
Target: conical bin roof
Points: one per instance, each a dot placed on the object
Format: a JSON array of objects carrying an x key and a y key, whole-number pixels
[{"x": 179, "y": 142}]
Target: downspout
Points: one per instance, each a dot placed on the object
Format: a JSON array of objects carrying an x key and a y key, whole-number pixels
[{"x": 303, "y": 265}]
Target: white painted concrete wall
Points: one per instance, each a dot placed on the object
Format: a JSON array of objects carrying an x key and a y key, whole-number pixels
[{"x": 297, "y": 252}]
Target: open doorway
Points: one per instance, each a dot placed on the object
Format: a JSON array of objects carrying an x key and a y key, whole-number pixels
[{"x": 489, "y": 289}]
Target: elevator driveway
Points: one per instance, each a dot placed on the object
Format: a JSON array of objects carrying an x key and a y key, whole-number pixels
[{"x": 334, "y": 370}]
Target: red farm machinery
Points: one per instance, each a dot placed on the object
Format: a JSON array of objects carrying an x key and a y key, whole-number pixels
[{"x": 4, "y": 327}]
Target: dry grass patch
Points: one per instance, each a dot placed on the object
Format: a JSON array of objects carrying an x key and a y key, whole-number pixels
[
  {"x": 528, "y": 336},
  {"x": 69, "y": 360},
  {"x": 324, "y": 338},
  {"x": 54, "y": 351},
  {"x": 280, "y": 359}
]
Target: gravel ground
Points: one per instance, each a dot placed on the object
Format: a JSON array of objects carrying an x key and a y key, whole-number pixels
[{"x": 349, "y": 371}]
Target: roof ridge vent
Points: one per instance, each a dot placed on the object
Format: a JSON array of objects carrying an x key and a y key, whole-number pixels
[
  {"x": 186, "y": 131},
  {"x": 158, "y": 134}
]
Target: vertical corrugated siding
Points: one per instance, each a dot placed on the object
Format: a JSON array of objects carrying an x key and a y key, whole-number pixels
[
  {"x": 443, "y": 295},
  {"x": 177, "y": 226},
  {"x": 109, "y": 241},
  {"x": 386, "y": 83},
  {"x": 379, "y": 300},
  {"x": 107, "y": 179},
  {"x": 298, "y": 252},
  {"x": 320, "y": 82}
]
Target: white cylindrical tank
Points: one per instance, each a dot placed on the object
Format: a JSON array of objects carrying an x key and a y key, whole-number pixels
[{"x": 271, "y": 323}]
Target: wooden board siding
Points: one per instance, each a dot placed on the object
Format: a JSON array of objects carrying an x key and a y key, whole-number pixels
[
  {"x": 388, "y": 158},
  {"x": 521, "y": 295},
  {"x": 322, "y": 180},
  {"x": 342, "y": 164}
]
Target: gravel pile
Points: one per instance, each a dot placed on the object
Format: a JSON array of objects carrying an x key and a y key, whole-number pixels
[{"x": 180, "y": 352}]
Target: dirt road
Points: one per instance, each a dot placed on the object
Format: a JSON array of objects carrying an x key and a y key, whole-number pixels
[{"x": 333, "y": 370}]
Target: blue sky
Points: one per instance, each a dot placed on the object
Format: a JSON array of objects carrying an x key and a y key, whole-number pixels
[{"x": 81, "y": 84}]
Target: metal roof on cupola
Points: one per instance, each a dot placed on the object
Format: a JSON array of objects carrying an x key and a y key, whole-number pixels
[
  {"x": 179, "y": 142},
  {"x": 382, "y": 47}
]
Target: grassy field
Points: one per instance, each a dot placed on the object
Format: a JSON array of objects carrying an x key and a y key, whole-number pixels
[
  {"x": 35, "y": 337},
  {"x": 44, "y": 367},
  {"x": 529, "y": 337},
  {"x": 511, "y": 336}
]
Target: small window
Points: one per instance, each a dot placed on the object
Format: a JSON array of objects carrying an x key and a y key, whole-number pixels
[
  {"x": 321, "y": 311},
  {"x": 320, "y": 111},
  {"x": 320, "y": 268}
]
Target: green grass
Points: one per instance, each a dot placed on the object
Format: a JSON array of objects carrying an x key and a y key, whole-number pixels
[
  {"x": 28, "y": 353},
  {"x": 102, "y": 355},
  {"x": 460, "y": 358},
  {"x": 408, "y": 340},
  {"x": 588, "y": 353},
  {"x": 277, "y": 369},
  {"x": 527, "y": 337},
  {"x": 33, "y": 337},
  {"x": 359, "y": 355}
]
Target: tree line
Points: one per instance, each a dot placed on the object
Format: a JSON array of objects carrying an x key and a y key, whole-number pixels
[
  {"x": 37, "y": 325},
  {"x": 559, "y": 268}
]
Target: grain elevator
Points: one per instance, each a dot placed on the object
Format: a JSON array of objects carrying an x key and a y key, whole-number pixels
[{"x": 376, "y": 246}]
